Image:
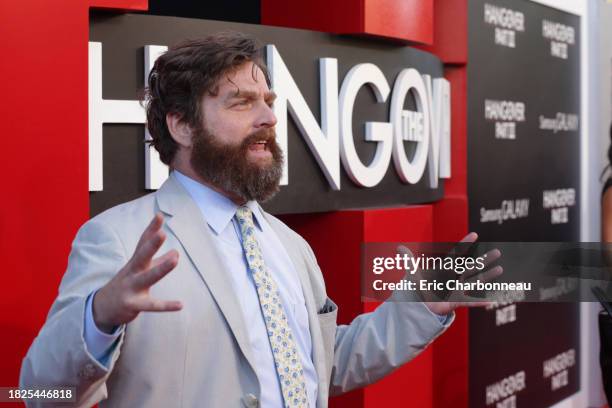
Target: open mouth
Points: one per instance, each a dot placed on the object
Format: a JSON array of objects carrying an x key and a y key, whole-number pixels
[{"x": 259, "y": 146}]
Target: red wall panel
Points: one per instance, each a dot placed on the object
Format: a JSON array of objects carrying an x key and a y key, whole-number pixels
[
  {"x": 457, "y": 185},
  {"x": 409, "y": 20},
  {"x": 450, "y": 42},
  {"x": 120, "y": 5},
  {"x": 44, "y": 137},
  {"x": 397, "y": 20}
]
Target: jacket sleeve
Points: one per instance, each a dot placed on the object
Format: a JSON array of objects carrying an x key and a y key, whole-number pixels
[
  {"x": 59, "y": 356},
  {"x": 374, "y": 344}
]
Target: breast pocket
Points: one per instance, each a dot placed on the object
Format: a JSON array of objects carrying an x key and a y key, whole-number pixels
[{"x": 328, "y": 323}]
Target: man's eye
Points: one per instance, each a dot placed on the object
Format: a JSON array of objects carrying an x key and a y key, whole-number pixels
[{"x": 243, "y": 102}]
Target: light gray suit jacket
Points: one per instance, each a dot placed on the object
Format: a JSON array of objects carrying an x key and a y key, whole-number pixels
[{"x": 200, "y": 356}]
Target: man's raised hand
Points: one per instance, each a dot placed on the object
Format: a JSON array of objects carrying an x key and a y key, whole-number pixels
[
  {"x": 457, "y": 298},
  {"x": 127, "y": 293}
]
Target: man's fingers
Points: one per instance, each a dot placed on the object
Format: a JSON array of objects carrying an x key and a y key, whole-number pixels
[
  {"x": 462, "y": 247},
  {"x": 485, "y": 276},
  {"x": 471, "y": 237},
  {"x": 150, "y": 231},
  {"x": 144, "y": 253},
  {"x": 157, "y": 305},
  {"x": 161, "y": 267},
  {"x": 492, "y": 273},
  {"x": 160, "y": 259},
  {"x": 489, "y": 258},
  {"x": 154, "y": 226}
]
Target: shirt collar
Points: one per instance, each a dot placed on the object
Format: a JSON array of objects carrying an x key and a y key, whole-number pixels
[{"x": 217, "y": 209}]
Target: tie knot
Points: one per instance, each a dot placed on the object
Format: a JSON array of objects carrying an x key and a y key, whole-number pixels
[{"x": 244, "y": 215}]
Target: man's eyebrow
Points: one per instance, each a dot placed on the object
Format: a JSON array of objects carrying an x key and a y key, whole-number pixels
[{"x": 268, "y": 96}]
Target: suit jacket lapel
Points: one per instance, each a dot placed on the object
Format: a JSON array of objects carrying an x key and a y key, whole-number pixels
[{"x": 191, "y": 229}]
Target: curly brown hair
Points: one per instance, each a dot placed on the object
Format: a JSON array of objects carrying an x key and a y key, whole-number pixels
[{"x": 181, "y": 76}]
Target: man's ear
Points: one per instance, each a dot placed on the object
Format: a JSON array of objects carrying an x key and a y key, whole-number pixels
[{"x": 180, "y": 131}]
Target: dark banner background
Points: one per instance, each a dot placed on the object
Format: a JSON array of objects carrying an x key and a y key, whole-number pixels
[
  {"x": 501, "y": 169},
  {"x": 123, "y": 38}
]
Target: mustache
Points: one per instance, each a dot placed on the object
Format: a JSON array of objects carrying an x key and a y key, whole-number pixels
[{"x": 267, "y": 135}]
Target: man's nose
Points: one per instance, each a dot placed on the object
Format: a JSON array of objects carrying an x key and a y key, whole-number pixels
[{"x": 266, "y": 117}]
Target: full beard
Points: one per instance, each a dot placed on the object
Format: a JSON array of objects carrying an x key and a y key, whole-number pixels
[{"x": 228, "y": 167}]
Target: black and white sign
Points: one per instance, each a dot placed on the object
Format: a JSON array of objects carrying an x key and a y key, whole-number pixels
[{"x": 523, "y": 184}]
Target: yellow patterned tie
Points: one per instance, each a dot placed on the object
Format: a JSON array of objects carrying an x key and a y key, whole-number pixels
[{"x": 284, "y": 348}]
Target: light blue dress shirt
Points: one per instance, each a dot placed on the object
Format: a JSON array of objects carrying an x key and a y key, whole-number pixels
[{"x": 219, "y": 213}]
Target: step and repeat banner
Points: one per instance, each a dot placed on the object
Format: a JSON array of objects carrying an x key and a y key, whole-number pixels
[{"x": 523, "y": 185}]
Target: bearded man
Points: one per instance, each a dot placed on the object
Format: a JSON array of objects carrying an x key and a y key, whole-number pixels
[{"x": 193, "y": 295}]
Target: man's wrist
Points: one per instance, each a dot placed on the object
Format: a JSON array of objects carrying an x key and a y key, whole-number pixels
[
  {"x": 439, "y": 308},
  {"x": 97, "y": 318},
  {"x": 97, "y": 342}
]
